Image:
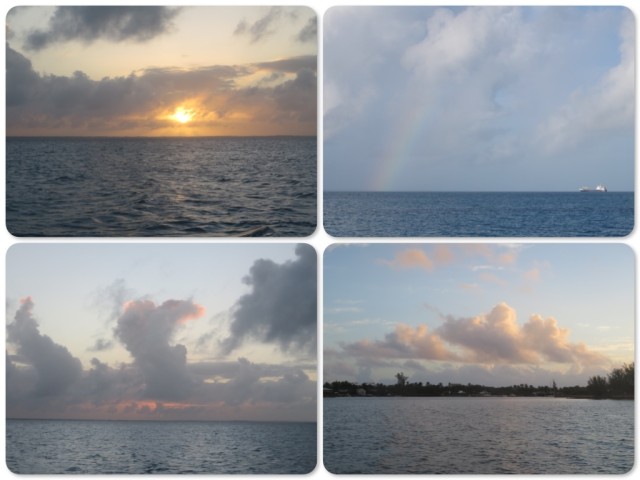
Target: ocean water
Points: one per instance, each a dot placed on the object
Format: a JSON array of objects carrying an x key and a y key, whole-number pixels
[
  {"x": 126, "y": 447},
  {"x": 224, "y": 186},
  {"x": 460, "y": 214},
  {"x": 478, "y": 435}
]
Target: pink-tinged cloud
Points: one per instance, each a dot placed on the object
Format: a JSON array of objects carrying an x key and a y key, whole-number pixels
[
  {"x": 404, "y": 342},
  {"x": 411, "y": 258},
  {"x": 146, "y": 330},
  {"x": 497, "y": 337},
  {"x": 494, "y": 338}
]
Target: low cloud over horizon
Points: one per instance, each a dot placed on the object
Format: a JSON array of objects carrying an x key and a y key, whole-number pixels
[{"x": 144, "y": 101}]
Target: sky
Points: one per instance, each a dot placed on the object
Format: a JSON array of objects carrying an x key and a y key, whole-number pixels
[
  {"x": 162, "y": 331},
  {"x": 490, "y": 314},
  {"x": 161, "y": 71},
  {"x": 478, "y": 98}
]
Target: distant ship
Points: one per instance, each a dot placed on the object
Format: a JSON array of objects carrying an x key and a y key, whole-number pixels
[{"x": 599, "y": 188}]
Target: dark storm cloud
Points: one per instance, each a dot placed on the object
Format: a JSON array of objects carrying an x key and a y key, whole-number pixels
[
  {"x": 54, "y": 368},
  {"x": 281, "y": 307},
  {"x": 115, "y": 23},
  {"x": 80, "y": 104},
  {"x": 146, "y": 331}
]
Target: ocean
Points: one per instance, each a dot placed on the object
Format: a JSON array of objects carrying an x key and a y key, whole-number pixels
[
  {"x": 214, "y": 186},
  {"x": 128, "y": 447},
  {"x": 461, "y": 214},
  {"x": 478, "y": 435}
]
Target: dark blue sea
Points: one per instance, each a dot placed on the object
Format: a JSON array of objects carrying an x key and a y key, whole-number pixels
[
  {"x": 217, "y": 186},
  {"x": 126, "y": 447},
  {"x": 461, "y": 214}
]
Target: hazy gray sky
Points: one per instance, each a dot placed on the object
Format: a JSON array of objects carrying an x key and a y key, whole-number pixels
[{"x": 472, "y": 98}]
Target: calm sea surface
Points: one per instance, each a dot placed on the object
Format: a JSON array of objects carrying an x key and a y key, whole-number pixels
[
  {"x": 456, "y": 214},
  {"x": 478, "y": 435},
  {"x": 161, "y": 186},
  {"x": 94, "y": 447}
]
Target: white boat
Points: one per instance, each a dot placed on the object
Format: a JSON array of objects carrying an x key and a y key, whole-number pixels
[{"x": 599, "y": 188}]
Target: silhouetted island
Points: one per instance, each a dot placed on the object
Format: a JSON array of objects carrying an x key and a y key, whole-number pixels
[{"x": 619, "y": 384}]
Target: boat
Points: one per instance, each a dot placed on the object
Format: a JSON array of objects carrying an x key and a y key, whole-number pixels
[{"x": 599, "y": 188}]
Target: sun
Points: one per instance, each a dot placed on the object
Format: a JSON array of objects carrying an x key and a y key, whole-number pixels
[{"x": 183, "y": 115}]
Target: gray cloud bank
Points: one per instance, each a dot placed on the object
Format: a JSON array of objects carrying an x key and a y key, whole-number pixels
[
  {"x": 49, "y": 104},
  {"x": 90, "y": 23}
]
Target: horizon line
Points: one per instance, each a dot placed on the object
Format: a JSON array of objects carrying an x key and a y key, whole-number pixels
[
  {"x": 160, "y": 136},
  {"x": 153, "y": 420},
  {"x": 472, "y": 191}
]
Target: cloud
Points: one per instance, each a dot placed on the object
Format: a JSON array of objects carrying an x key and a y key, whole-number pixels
[
  {"x": 495, "y": 338},
  {"x": 605, "y": 106},
  {"x": 528, "y": 88},
  {"x": 115, "y": 23},
  {"x": 146, "y": 330},
  {"x": 101, "y": 345},
  {"x": 143, "y": 101},
  {"x": 411, "y": 258},
  {"x": 262, "y": 27},
  {"x": 242, "y": 381},
  {"x": 309, "y": 32},
  {"x": 45, "y": 380},
  {"x": 54, "y": 368},
  {"x": 404, "y": 342},
  {"x": 282, "y": 305}
]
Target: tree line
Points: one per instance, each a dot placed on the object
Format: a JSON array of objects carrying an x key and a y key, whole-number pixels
[{"x": 619, "y": 383}]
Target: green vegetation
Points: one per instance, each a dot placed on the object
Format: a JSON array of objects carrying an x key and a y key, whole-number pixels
[{"x": 619, "y": 384}]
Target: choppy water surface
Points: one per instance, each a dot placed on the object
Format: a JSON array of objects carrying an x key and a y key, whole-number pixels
[
  {"x": 468, "y": 214},
  {"x": 95, "y": 447},
  {"x": 478, "y": 435},
  {"x": 161, "y": 186}
]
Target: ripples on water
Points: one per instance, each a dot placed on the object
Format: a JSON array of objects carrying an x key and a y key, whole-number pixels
[
  {"x": 457, "y": 214},
  {"x": 478, "y": 435},
  {"x": 93, "y": 447},
  {"x": 161, "y": 186}
]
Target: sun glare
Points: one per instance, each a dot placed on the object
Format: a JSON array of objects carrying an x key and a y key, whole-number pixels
[{"x": 182, "y": 115}]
